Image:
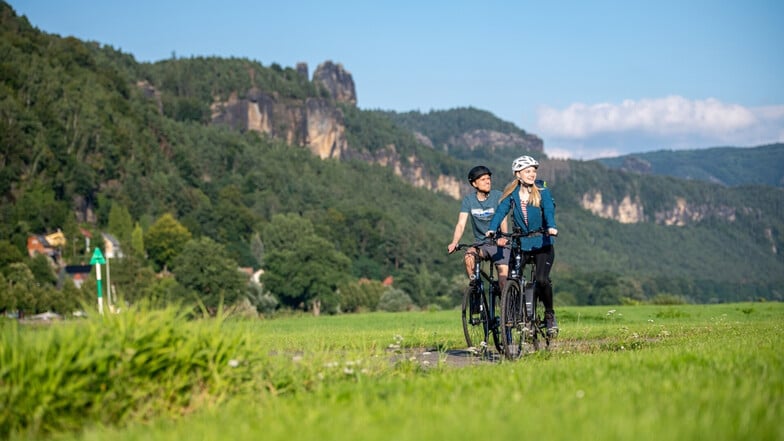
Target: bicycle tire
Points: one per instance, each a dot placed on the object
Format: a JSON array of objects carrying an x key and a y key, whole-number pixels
[
  {"x": 495, "y": 326},
  {"x": 512, "y": 320},
  {"x": 475, "y": 319},
  {"x": 539, "y": 326}
]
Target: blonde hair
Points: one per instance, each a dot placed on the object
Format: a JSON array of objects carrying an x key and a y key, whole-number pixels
[{"x": 534, "y": 198}]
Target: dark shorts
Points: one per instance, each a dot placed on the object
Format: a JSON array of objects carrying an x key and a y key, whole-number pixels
[{"x": 498, "y": 255}]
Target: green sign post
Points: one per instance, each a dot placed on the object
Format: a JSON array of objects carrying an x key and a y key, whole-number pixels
[{"x": 97, "y": 260}]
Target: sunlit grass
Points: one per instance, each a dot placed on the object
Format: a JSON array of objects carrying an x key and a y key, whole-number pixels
[{"x": 636, "y": 372}]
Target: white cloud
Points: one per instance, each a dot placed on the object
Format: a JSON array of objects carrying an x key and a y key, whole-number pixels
[
  {"x": 587, "y": 131},
  {"x": 577, "y": 151}
]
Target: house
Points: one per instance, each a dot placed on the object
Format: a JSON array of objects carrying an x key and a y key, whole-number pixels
[
  {"x": 111, "y": 247},
  {"x": 48, "y": 245},
  {"x": 78, "y": 273}
]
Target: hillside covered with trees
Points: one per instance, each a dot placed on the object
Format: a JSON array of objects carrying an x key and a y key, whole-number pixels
[
  {"x": 86, "y": 148},
  {"x": 731, "y": 166}
]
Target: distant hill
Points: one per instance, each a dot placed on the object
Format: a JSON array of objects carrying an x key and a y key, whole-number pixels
[
  {"x": 468, "y": 134},
  {"x": 86, "y": 131},
  {"x": 730, "y": 166}
]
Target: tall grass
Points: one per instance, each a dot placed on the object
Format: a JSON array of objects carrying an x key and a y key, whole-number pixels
[
  {"x": 637, "y": 372},
  {"x": 112, "y": 369}
]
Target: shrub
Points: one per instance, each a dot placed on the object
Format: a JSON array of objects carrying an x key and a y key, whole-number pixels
[{"x": 395, "y": 300}]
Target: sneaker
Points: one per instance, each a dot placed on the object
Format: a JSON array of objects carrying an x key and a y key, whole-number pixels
[{"x": 551, "y": 323}]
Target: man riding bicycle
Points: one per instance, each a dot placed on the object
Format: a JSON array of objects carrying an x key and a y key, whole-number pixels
[{"x": 481, "y": 206}]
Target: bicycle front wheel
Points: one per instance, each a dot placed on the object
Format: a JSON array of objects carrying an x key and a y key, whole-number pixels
[
  {"x": 475, "y": 325},
  {"x": 540, "y": 326},
  {"x": 495, "y": 317},
  {"x": 512, "y": 320}
]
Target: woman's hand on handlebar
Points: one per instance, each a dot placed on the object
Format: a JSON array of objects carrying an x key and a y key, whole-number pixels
[
  {"x": 500, "y": 240},
  {"x": 552, "y": 231}
]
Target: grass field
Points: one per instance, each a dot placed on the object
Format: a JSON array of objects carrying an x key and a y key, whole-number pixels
[{"x": 616, "y": 373}]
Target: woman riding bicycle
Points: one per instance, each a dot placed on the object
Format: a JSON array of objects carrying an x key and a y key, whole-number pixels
[
  {"x": 481, "y": 206},
  {"x": 533, "y": 209}
]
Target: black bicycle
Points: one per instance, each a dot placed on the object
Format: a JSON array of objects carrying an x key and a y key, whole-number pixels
[
  {"x": 522, "y": 314},
  {"x": 481, "y": 310}
]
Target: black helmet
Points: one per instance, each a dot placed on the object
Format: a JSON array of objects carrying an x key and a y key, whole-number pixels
[{"x": 477, "y": 172}]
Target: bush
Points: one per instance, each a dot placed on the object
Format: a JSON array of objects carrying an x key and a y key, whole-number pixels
[
  {"x": 668, "y": 299},
  {"x": 265, "y": 302},
  {"x": 395, "y": 300},
  {"x": 362, "y": 295}
]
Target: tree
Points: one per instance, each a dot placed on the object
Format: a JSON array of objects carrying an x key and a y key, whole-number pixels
[
  {"x": 137, "y": 242},
  {"x": 165, "y": 239},
  {"x": 205, "y": 268},
  {"x": 23, "y": 289},
  {"x": 131, "y": 278},
  {"x": 39, "y": 208},
  {"x": 302, "y": 269},
  {"x": 120, "y": 223},
  {"x": 9, "y": 254},
  {"x": 7, "y": 298},
  {"x": 71, "y": 298},
  {"x": 41, "y": 268},
  {"x": 257, "y": 248}
]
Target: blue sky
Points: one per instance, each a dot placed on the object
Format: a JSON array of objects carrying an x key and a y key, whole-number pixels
[{"x": 596, "y": 78}]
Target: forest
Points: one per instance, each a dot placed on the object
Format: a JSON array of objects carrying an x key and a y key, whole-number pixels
[{"x": 85, "y": 151}]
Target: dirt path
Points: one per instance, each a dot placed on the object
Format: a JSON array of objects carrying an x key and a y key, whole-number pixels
[{"x": 467, "y": 357}]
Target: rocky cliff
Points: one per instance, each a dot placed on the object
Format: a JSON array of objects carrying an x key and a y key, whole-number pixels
[
  {"x": 315, "y": 123},
  {"x": 630, "y": 210},
  {"x": 412, "y": 169},
  {"x": 318, "y": 124}
]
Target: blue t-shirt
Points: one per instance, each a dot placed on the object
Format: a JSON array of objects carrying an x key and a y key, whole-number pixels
[{"x": 480, "y": 212}]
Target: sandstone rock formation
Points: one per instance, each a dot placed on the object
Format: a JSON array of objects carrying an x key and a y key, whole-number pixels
[
  {"x": 315, "y": 123},
  {"x": 412, "y": 169},
  {"x": 337, "y": 81},
  {"x": 630, "y": 210}
]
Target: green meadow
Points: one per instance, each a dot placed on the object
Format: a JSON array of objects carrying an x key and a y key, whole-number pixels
[{"x": 646, "y": 372}]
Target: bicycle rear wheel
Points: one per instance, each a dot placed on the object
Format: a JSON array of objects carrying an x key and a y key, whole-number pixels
[
  {"x": 512, "y": 320},
  {"x": 475, "y": 321}
]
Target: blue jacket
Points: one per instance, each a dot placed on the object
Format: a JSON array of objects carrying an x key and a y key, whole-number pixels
[{"x": 538, "y": 217}]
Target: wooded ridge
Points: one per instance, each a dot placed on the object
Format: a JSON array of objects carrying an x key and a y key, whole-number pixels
[{"x": 266, "y": 168}]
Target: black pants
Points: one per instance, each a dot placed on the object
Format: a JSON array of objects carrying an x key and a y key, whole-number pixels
[{"x": 544, "y": 257}]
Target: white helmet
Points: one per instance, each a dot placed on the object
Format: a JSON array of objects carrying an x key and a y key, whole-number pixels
[{"x": 524, "y": 162}]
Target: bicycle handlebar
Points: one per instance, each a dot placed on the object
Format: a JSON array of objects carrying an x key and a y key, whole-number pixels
[
  {"x": 463, "y": 246},
  {"x": 518, "y": 234}
]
